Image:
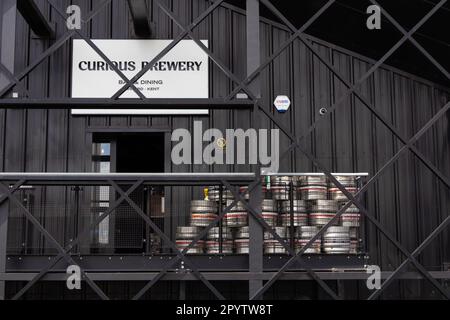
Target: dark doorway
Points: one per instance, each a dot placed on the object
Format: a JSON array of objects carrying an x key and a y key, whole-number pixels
[
  {"x": 134, "y": 153},
  {"x": 140, "y": 153}
]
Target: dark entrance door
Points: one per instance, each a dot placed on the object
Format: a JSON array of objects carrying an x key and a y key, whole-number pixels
[
  {"x": 134, "y": 153},
  {"x": 137, "y": 153}
]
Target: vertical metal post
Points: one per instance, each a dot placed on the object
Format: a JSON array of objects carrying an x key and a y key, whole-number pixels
[
  {"x": 253, "y": 45},
  {"x": 4, "y": 210},
  {"x": 255, "y": 229},
  {"x": 256, "y": 240},
  {"x": 8, "y": 13},
  {"x": 291, "y": 213},
  {"x": 220, "y": 222}
]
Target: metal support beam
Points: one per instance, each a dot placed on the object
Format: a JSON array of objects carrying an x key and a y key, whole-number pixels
[
  {"x": 7, "y": 41},
  {"x": 35, "y": 19},
  {"x": 256, "y": 263},
  {"x": 4, "y": 209},
  {"x": 99, "y": 103},
  {"x": 255, "y": 228},
  {"x": 253, "y": 44},
  {"x": 221, "y": 276},
  {"x": 141, "y": 19},
  {"x": 101, "y": 179},
  {"x": 7, "y": 49}
]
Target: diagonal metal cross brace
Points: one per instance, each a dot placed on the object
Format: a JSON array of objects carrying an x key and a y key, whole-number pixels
[
  {"x": 210, "y": 54},
  {"x": 13, "y": 79},
  {"x": 85, "y": 232},
  {"x": 364, "y": 211},
  {"x": 164, "y": 237},
  {"x": 284, "y": 243},
  {"x": 50, "y": 238},
  {"x": 174, "y": 261},
  {"x": 100, "y": 53},
  {"x": 413, "y": 41},
  {"x": 159, "y": 56},
  {"x": 414, "y": 254},
  {"x": 13, "y": 189},
  {"x": 53, "y": 48},
  {"x": 220, "y": 64},
  {"x": 353, "y": 89},
  {"x": 280, "y": 50}
]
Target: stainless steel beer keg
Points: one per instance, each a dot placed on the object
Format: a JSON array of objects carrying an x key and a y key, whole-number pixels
[
  {"x": 322, "y": 211},
  {"x": 197, "y": 249},
  {"x": 202, "y": 219},
  {"x": 324, "y": 206},
  {"x": 300, "y": 215},
  {"x": 214, "y": 194},
  {"x": 203, "y": 206},
  {"x": 300, "y": 219},
  {"x": 315, "y": 180},
  {"x": 348, "y": 182},
  {"x": 298, "y": 206},
  {"x": 203, "y": 212},
  {"x": 214, "y": 234},
  {"x": 242, "y": 246},
  {"x": 237, "y": 217},
  {"x": 187, "y": 233},
  {"x": 280, "y": 186},
  {"x": 336, "y": 240},
  {"x": 306, "y": 234},
  {"x": 313, "y": 192},
  {"x": 273, "y": 247}
]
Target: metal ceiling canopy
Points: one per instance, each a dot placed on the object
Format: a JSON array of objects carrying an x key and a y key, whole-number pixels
[
  {"x": 141, "y": 19},
  {"x": 35, "y": 19}
]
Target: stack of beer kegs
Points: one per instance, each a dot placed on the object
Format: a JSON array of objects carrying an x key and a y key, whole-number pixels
[
  {"x": 348, "y": 182},
  {"x": 336, "y": 240},
  {"x": 315, "y": 201},
  {"x": 203, "y": 212},
  {"x": 242, "y": 240},
  {"x": 279, "y": 186},
  {"x": 184, "y": 237},
  {"x": 299, "y": 213},
  {"x": 351, "y": 218},
  {"x": 313, "y": 188},
  {"x": 271, "y": 244},
  {"x": 322, "y": 211},
  {"x": 214, "y": 194},
  {"x": 306, "y": 233},
  {"x": 213, "y": 241},
  {"x": 270, "y": 212},
  {"x": 237, "y": 217}
]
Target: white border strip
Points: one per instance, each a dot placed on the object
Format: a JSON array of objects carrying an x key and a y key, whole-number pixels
[{"x": 142, "y": 112}]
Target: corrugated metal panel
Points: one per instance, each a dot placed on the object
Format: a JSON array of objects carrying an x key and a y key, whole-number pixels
[{"x": 407, "y": 199}]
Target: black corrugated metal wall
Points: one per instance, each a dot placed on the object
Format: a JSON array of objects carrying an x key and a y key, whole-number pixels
[{"x": 407, "y": 199}]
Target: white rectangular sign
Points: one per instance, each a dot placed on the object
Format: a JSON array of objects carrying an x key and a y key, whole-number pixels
[{"x": 181, "y": 73}]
